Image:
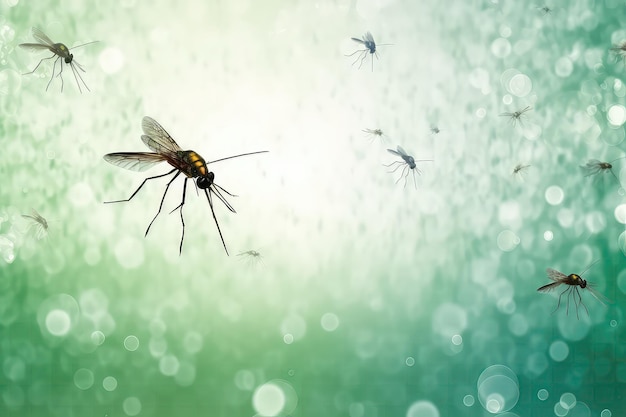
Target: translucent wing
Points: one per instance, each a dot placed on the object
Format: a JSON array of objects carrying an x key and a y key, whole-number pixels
[
  {"x": 394, "y": 152},
  {"x": 368, "y": 37},
  {"x": 401, "y": 151},
  {"x": 159, "y": 140},
  {"x": 604, "y": 300},
  {"x": 556, "y": 276},
  {"x": 358, "y": 40},
  {"x": 549, "y": 287},
  {"x": 33, "y": 47},
  {"x": 135, "y": 161},
  {"x": 42, "y": 37}
]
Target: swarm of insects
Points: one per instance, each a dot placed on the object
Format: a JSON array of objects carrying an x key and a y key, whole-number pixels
[
  {"x": 60, "y": 51},
  {"x": 595, "y": 167},
  {"x": 370, "y": 46},
  {"x": 408, "y": 164},
  {"x": 38, "y": 225},
  {"x": 571, "y": 283},
  {"x": 516, "y": 116},
  {"x": 189, "y": 163},
  {"x": 374, "y": 133}
]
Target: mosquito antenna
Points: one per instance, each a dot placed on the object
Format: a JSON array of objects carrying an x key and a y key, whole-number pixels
[
  {"x": 592, "y": 264},
  {"x": 236, "y": 156},
  {"x": 78, "y": 46}
]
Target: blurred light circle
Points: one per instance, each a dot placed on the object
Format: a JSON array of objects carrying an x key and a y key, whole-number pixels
[
  {"x": 131, "y": 406},
  {"x": 559, "y": 350},
  {"x": 498, "y": 389},
  {"x": 468, "y": 400},
  {"x": 520, "y": 85},
  {"x": 543, "y": 394},
  {"x": 449, "y": 319},
  {"x": 616, "y": 115},
  {"x": 131, "y": 343},
  {"x": 554, "y": 195},
  {"x": 422, "y": 409},
  {"x": 330, "y": 322},
  {"x": 268, "y": 400},
  {"x": 83, "y": 379}
]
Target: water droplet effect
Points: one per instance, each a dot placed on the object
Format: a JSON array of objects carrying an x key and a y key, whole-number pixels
[
  {"x": 559, "y": 350},
  {"x": 468, "y": 400},
  {"x": 131, "y": 343},
  {"x": 422, "y": 409},
  {"x": 543, "y": 394},
  {"x": 268, "y": 400},
  {"x": 109, "y": 383},
  {"x": 498, "y": 389},
  {"x": 330, "y": 322},
  {"x": 83, "y": 379},
  {"x": 131, "y": 406}
]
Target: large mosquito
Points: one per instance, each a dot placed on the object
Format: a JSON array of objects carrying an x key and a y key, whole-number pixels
[
  {"x": 58, "y": 50},
  {"x": 572, "y": 282},
  {"x": 368, "y": 42},
  {"x": 408, "y": 163},
  {"x": 187, "y": 162}
]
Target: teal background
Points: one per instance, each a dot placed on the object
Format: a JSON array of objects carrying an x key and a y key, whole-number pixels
[{"x": 371, "y": 299}]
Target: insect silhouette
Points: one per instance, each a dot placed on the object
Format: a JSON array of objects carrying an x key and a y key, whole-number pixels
[
  {"x": 620, "y": 51},
  {"x": 408, "y": 163},
  {"x": 252, "y": 257},
  {"x": 372, "y": 133},
  {"x": 187, "y": 162},
  {"x": 545, "y": 10},
  {"x": 571, "y": 283},
  {"x": 60, "y": 51},
  {"x": 434, "y": 130},
  {"x": 516, "y": 116},
  {"x": 39, "y": 224},
  {"x": 368, "y": 42},
  {"x": 594, "y": 167},
  {"x": 519, "y": 169}
]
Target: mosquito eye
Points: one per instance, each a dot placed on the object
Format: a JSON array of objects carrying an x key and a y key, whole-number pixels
[{"x": 203, "y": 182}]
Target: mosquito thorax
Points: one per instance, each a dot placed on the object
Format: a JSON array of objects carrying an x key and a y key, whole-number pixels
[
  {"x": 371, "y": 46},
  {"x": 205, "y": 181},
  {"x": 605, "y": 165}
]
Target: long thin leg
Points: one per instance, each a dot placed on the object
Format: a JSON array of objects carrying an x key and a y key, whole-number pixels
[
  {"x": 26, "y": 73},
  {"x": 162, "y": 200},
  {"x": 364, "y": 57},
  {"x": 180, "y": 206},
  {"x": 352, "y": 54},
  {"x": 219, "y": 195},
  {"x": 414, "y": 180},
  {"x": 52, "y": 77},
  {"x": 139, "y": 188},
  {"x": 558, "y": 304},
  {"x": 208, "y": 196},
  {"x": 78, "y": 76}
]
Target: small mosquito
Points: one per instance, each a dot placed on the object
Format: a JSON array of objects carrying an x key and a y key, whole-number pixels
[
  {"x": 39, "y": 224},
  {"x": 187, "y": 162},
  {"x": 408, "y": 164},
  {"x": 516, "y": 116},
  {"x": 370, "y": 48},
  {"x": 434, "y": 130},
  {"x": 251, "y": 256},
  {"x": 572, "y": 282},
  {"x": 594, "y": 167},
  {"x": 60, "y": 51},
  {"x": 519, "y": 169},
  {"x": 372, "y": 133},
  {"x": 620, "y": 51},
  {"x": 545, "y": 10}
]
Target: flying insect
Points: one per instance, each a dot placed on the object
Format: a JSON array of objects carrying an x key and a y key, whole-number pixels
[
  {"x": 60, "y": 51},
  {"x": 368, "y": 42},
  {"x": 189, "y": 163},
  {"x": 408, "y": 163}
]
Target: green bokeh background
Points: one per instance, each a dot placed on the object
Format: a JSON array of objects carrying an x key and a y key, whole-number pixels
[{"x": 371, "y": 299}]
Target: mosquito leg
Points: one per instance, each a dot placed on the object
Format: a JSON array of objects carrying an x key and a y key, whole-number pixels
[
  {"x": 26, "y": 73},
  {"x": 52, "y": 76},
  {"x": 414, "y": 180},
  {"x": 352, "y": 54},
  {"x": 76, "y": 78},
  {"x": 359, "y": 56},
  {"x": 60, "y": 75},
  {"x": 162, "y": 200},
  {"x": 215, "y": 219},
  {"x": 76, "y": 73},
  {"x": 558, "y": 304},
  {"x": 182, "y": 203},
  {"x": 139, "y": 188},
  {"x": 364, "y": 57},
  {"x": 219, "y": 195}
]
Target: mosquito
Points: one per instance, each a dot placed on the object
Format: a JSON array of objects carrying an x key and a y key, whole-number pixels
[
  {"x": 519, "y": 169},
  {"x": 545, "y": 10},
  {"x": 187, "y": 162},
  {"x": 516, "y": 116},
  {"x": 251, "y": 256},
  {"x": 372, "y": 133},
  {"x": 39, "y": 224},
  {"x": 572, "y": 282},
  {"x": 594, "y": 167},
  {"x": 60, "y": 51},
  {"x": 408, "y": 164},
  {"x": 434, "y": 130},
  {"x": 620, "y": 51},
  {"x": 368, "y": 42}
]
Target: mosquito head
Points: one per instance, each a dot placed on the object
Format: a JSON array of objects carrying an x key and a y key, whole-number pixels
[
  {"x": 68, "y": 59},
  {"x": 205, "y": 181},
  {"x": 605, "y": 165}
]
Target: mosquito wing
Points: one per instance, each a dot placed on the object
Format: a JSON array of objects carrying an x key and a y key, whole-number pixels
[
  {"x": 604, "y": 300},
  {"x": 401, "y": 151},
  {"x": 556, "y": 276},
  {"x": 549, "y": 287},
  {"x": 394, "y": 152},
  {"x": 42, "y": 37},
  {"x": 135, "y": 161},
  {"x": 157, "y": 139}
]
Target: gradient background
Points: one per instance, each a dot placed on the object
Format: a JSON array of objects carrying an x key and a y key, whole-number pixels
[{"x": 371, "y": 299}]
